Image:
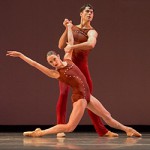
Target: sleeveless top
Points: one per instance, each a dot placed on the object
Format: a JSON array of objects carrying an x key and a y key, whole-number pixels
[
  {"x": 80, "y": 57},
  {"x": 72, "y": 76}
]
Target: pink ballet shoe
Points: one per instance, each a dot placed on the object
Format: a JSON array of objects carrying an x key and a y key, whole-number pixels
[
  {"x": 111, "y": 134},
  {"x": 36, "y": 133},
  {"x": 132, "y": 132},
  {"x": 61, "y": 134}
]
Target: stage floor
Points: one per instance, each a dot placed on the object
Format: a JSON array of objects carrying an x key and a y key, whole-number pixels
[{"x": 75, "y": 141}]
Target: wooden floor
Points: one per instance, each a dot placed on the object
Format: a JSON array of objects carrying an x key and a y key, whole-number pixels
[{"x": 73, "y": 141}]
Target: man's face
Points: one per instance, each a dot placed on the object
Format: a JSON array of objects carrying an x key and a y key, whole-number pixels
[
  {"x": 54, "y": 61},
  {"x": 87, "y": 14}
]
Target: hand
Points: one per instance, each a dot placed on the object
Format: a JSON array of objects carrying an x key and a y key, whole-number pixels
[
  {"x": 68, "y": 48},
  {"x": 13, "y": 54},
  {"x": 69, "y": 24},
  {"x": 66, "y": 21}
]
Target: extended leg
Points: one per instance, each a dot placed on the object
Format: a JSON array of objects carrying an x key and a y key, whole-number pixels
[
  {"x": 96, "y": 120},
  {"x": 99, "y": 109},
  {"x": 61, "y": 105}
]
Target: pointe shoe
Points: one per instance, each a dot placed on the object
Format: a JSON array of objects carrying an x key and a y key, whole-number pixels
[
  {"x": 36, "y": 133},
  {"x": 132, "y": 132},
  {"x": 61, "y": 134},
  {"x": 111, "y": 134}
]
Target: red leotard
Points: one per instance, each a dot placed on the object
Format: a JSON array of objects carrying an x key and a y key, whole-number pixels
[
  {"x": 72, "y": 76},
  {"x": 80, "y": 58}
]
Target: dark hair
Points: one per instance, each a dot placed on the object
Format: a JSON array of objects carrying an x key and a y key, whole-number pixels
[
  {"x": 51, "y": 53},
  {"x": 86, "y": 5}
]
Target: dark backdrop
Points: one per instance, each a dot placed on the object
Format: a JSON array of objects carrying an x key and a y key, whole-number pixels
[{"x": 119, "y": 64}]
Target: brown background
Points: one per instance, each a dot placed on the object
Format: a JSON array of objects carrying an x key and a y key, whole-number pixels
[{"x": 119, "y": 64}]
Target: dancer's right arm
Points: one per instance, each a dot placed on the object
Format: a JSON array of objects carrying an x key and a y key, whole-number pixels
[
  {"x": 68, "y": 54},
  {"x": 49, "y": 72}
]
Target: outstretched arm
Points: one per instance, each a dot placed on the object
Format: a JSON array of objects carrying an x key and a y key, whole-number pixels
[
  {"x": 70, "y": 34},
  {"x": 68, "y": 53},
  {"x": 63, "y": 39},
  {"x": 49, "y": 72}
]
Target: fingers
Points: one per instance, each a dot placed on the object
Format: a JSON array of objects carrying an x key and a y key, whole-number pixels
[
  {"x": 12, "y": 53},
  {"x": 66, "y": 21},
  {"x": 8, "y": 53}
]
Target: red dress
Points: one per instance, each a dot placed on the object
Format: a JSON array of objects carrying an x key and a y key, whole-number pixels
[{"x": 80, "y": 58}]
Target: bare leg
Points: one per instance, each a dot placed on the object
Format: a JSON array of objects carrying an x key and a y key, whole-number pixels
[
  {"x": 96, "y": 120},
  {"x": 61, "y": 105},
  {"x": 99, "y": 109},
  {"x": 75, "y": 117}
]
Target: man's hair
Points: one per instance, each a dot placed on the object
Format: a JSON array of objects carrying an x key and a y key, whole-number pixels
[
  {"x": 86, "y": 5},
  {"x": 51, "y": 53}
]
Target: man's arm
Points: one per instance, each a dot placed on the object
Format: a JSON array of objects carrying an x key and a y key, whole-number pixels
[
  {"x": 89, "y": 44},
  {"x": 49, "y": 72},
  {"x": 63, "y": 40}
]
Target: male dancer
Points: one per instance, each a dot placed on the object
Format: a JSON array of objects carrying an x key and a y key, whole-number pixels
[{"x": 85, "y": 37}]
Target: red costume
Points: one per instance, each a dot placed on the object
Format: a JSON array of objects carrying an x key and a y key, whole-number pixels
[
  {"x": 80, "y": 58},
  {"x": 72, "y": 76}
]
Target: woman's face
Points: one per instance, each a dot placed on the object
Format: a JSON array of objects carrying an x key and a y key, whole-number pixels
[{"x": 54, "y": 61}]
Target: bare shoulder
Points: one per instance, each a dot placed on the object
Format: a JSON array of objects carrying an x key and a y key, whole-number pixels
[{"x": 92, "y": 33}]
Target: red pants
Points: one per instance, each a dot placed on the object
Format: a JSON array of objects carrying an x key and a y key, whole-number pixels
[{"x": 62, "y": 103}]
